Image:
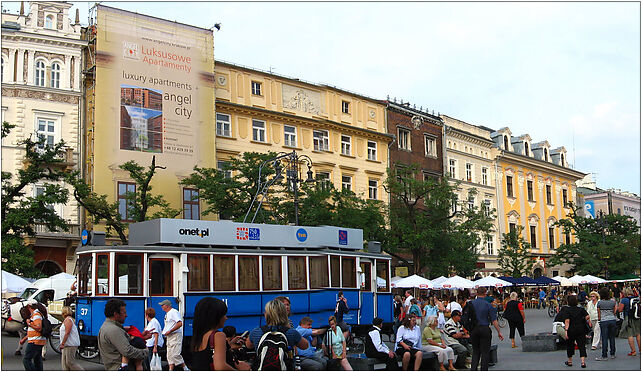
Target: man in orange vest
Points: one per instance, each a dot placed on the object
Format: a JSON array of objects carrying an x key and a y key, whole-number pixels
[{"x": 32, "y": 359}]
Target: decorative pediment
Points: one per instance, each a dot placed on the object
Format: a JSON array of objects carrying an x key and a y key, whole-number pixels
[{"x": 301, "y": 99}]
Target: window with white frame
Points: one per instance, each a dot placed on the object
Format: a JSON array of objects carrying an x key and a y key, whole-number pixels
[
  {"x": 345, "y": 107},
  {"x": 40, "y": 74},
  {"x": 487, "y": 207},
  {"x": 484, "y": 173},
  {"x": 403, "y": 140},
  {"x": 372, "y": 189},
  {"x": 49, "y": 22},
  {"x": 323, "y": 180},
  {"x": 289, "y": 133},
  {"x": 471, "y": 203},
  {"x": 40, "y": 190},
  {"x": 469, "y": 172},
  {"x": 321, "y": 140},
  {"x": 55, "y": 75},
  {"x": 490, "y": 246},
  {"x": 256, "y": 88},
  {"x": 223, "y": 125},
  {"x": 430, "y": 145},
  {"x": 455, "y": 201},
  {"x": 46, "y": 128},
  {"x": 452, "y": 168},
  {"x": 258, "y": 130},
  {"x": 372, "y": 150},
  {"x": 346, "y": 143},
  {"x": 346, "y": 182},
  {"x": 223, "y": 166}
]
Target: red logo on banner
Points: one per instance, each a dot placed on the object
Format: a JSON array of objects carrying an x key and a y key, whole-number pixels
[{"x": 242, "y": 233}]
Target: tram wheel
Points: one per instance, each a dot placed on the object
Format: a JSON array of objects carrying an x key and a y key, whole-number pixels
[
  {"x": 88, "y": 353},
  {"x": 54, "y": 339}
]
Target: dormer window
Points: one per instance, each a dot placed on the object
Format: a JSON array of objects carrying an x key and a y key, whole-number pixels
[
  {"x": 526, "y": 151},
  {"x": 562, "y": 159},
  {"x": 545, "y": 154},
  {"x": 49, "y": 22},
  {"x": 506, "y": 143}
]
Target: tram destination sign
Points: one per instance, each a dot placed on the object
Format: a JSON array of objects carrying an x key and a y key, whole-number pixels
[{"x": 227, "y": 233}]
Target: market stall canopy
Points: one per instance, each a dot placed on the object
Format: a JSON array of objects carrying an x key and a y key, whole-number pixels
[
  {"x": 13, "y": 283},
  {"x": 564, "y": 282},
  {"x": 439, "y": 280},
  {"x": 509, "y": 279},
  {"x": 413, "y": 281},
  {"x": 623, "y": 278},
  {"x": 62, "y": 276},
  {"x": 525, "y": 281},
  {"x": 578, "y": 279},
  {"x": 594, "y": 279},
  {"x": 455, "y": 282},
  {"x": 544, "y": 280},
  {"x": 491, "y": 281}
]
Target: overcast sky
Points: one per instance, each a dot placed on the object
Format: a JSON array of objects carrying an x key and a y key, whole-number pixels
[{"x": 568, "y": 73}]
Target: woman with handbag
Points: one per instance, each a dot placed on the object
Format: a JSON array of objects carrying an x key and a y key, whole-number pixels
[
  {"x": 576, "y": 330},
  {"x": 209, "y": 316},
  {"x": 514, "y": 313},
  {"x": 408, "y": 346}
]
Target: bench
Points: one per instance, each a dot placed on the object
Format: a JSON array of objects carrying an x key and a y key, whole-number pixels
[
  {"x": 360, "y": 362},
  {"x": 538, "y": 342}
]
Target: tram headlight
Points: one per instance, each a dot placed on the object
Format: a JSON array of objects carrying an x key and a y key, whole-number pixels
[{"x": 81, "y": 325}]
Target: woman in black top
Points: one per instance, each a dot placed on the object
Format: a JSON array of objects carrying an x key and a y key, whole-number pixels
[
  {"x": 209, "y": 316},
  {"x": 514, "y": 313},
  {"x": 576, "y": 329}
]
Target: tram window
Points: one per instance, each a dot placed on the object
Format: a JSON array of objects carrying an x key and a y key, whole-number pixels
[
  {"x": 272, "y": 279},
  {"x": 160, "y": 270},
  {"x": 224, "y": 273},
  {"x": 318, "y": 272},
  {"x": 102, "y": 274},
  {"x": 84, "y": 274},
  {"x": 297, "y": 278},
  {"x": 249, "y": 266},
  {"x": 349, "y": 272},
  {"x": 129, "y": 274},
  {"x": 382, "y": 276},
  {"x": 335, "y": 268},
  {"x": 198, "y": 277},
  {"x": 365, "y": 278}
]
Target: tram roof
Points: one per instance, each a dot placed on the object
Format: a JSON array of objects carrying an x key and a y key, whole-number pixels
[{"x": 165, "y": 231}]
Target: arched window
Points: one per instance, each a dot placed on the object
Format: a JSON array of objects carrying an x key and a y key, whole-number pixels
[
  {"x": 506, "y": 143},
  {"x": 55, "y": 75},
  {"x": 40, "y": 73},
  {"x": 526, "y": 151},
  {"x": 49, "y": 22}
]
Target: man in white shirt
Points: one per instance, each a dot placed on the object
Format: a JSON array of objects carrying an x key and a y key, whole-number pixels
[
  {"x": 454, "y": 305},
  {"x": 406, "y": 303},
  {"x": 375, "y": 348},
  {"x": 173, "y": 330}
]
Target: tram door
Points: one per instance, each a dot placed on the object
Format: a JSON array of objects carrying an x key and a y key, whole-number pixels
[
  {"x": 366, "y": 293},
  {"x": 161, "y": 277}
]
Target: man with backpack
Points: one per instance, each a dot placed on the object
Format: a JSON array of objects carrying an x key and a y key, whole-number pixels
[
  {"x": 340, "y": 309},
  {"x": 38, "y": 329},
  {"x": 274, "y": 341},
  {"x": 478, "y": 315},
  {"x": 630, "y": 307}
]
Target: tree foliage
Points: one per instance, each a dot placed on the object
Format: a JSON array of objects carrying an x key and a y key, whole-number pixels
[
  {"x": 140, "y": 203},
  {"x": 423, "y": 223},
  {"x": 43, "y": 166},
  {"x": 513, "y": 258},
  {"x": 610, "y": 244}
]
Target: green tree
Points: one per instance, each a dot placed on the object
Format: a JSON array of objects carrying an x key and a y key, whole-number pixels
[
  {"x": 139, "y": 203},
  {"x": 43, "y": 165},
  {"x": 423, "y": 223},
  {"x": 513, "y": 258},
  {"x": 610, "y": 244}
]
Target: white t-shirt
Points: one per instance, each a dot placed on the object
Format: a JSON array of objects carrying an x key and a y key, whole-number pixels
[
  {"x": 407, "y": 304},
  {"x": 454, "y": 306},
  {"x": 154, "y": 327},
  {"x": 171, "y": 318}
]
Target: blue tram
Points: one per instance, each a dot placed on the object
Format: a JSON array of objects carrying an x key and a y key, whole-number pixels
[{"x": 244, "y": 264}]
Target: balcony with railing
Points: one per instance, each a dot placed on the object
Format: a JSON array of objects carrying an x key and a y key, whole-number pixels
[{"x": 42, "y": 230}]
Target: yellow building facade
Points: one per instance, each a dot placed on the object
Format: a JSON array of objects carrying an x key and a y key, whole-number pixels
[
  {"x": 534, "y": 186},
  {"x": 343, "y": 133}
]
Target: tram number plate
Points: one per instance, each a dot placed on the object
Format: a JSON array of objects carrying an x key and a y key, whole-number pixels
[{"x": 84, "y": 311}]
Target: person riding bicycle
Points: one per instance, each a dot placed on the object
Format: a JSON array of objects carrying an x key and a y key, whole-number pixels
[{"x": 553, "y": 300}]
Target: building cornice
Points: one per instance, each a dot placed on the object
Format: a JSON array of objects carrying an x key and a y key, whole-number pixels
[
  {"x": 466, "y": 154},
  {"x": 458, "y": 133},
  {"x": 21, "y": 36},
  {"x": 294, "y": 119},
  {"x": 414, "y": 112},
  {"x": 540, "y": 165}
]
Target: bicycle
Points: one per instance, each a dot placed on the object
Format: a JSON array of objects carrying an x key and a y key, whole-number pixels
[
  {"x": 501, "y": 320},
  {"x": 552, "y": 309}
]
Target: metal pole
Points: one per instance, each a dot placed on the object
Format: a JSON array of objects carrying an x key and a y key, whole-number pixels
[{"x": 295, "y": 184}]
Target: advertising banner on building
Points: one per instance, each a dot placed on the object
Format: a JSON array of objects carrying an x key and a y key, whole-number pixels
[{"x": 154, "y": 92}]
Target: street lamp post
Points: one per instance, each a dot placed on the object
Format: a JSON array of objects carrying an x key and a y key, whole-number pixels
[
  {"x": 602, "y": 223},
  {"x": 293, "y": 161}
]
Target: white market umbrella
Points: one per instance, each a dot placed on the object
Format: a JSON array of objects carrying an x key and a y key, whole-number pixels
[
  {"x": 594, "y": 279},
  {"x": 439, "y": 280},
  {"x": 395, "y": 279},
  {"x": 578, "y": 279},
  {"x": 62, "y": 276},
  {"x": 381, "y": 282},
  {"x": 491, "y": 281},
  {"x": 455, "y": 282},
  {"x": 564, "y": 282},
  {"x": 13, "y": 283},
  {"x": 414, "y": 281}
]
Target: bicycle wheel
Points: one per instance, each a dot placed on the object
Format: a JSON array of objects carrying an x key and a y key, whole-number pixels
[
  {"x": 551, "y": 311},
  {"x": 502, "y": 321},
  {"x": 54, "y": 339}
]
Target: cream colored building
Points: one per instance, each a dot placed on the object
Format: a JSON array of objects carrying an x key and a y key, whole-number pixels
[
  {"x": 342, "y": 132},
  {"x": 41, "y": 95},
  {"x": 470, "y": 160}
]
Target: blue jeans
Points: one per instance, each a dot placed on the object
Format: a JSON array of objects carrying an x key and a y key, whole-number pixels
[
  {"x": 607, "y": 329},
  {"x": 542, "y": 303},
  {"x": 32, "y": 360}
]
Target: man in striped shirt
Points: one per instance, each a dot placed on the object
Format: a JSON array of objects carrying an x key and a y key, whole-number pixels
[
  {"x": 457, "y": 337},
  {"x": 32, "y": 359}
]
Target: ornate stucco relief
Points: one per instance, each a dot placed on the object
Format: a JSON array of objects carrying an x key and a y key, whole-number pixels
[{"x": 300, "y": 99}]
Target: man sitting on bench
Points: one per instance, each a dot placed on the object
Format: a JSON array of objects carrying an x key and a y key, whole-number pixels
[
  {"x": 375, "y": 348},
  {"x": 457, "y": 337}
]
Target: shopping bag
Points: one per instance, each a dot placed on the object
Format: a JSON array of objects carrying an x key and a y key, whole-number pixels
[{"x": 155, "y": 364}]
